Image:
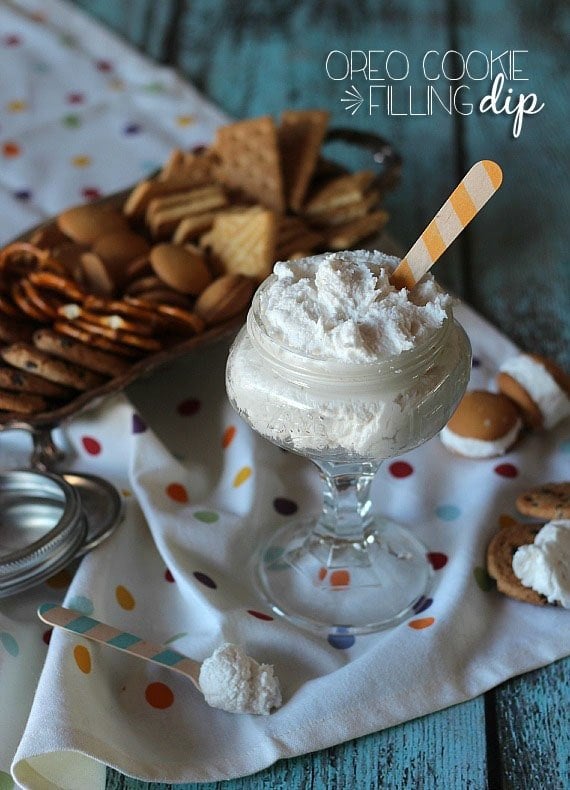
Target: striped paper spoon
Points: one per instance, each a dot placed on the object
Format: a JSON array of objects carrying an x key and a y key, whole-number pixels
[
  {"x": 473, "y": 191},
  {"x": 77, "y": 623}
]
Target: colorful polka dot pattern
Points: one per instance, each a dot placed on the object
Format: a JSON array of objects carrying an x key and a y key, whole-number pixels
[
  {"x": 400, "y": 469},
  {"x": 341, "y": 639},
  {"x": 125, "y": 598},
  {"x": 228, "y": 436},
  {"x": 506, "y": 470},
  {"x": 177, "y": 493},
  {"x": 82, "y": 658},
  {"x": 207, "y": 516},
  {"x": 9, "y": 643},
  {"x": 242, "y": 476},
  {"x": 448, "y": 512},
  {"x": 91, "y": 445},
  {"x": 159, "y": 695}
]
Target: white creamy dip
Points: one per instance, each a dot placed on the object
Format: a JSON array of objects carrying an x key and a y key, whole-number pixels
[
  {"x": 336, "y": 362},
  {"x": 342, "y": 306},
  {"x": 545, "y": 564},
  {"x": 236, "y": 683}
]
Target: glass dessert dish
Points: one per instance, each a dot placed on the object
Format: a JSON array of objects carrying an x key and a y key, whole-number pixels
[{"x": 347, "y": 567}]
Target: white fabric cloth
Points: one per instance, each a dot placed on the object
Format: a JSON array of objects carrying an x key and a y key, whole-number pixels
[{"x": 200, "y": 489}]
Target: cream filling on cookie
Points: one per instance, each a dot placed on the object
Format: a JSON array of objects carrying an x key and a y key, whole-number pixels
[
  {"x": 479, "y": 448},
  {"x": 552, "y": 401},
  {"x": 545, "y": 564}
]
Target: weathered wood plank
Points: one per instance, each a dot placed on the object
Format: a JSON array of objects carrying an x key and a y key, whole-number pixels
[
  {"x": 446, "y": 747},
  {"x": 533, "y": 722},
  {"x": 518, "y": 255}
]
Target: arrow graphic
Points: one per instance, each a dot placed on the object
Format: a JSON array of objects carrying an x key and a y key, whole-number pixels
[{"x": 353, "y": 99}]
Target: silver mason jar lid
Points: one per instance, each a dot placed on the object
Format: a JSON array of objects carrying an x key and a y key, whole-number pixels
[{"x": 48, "y": 519}]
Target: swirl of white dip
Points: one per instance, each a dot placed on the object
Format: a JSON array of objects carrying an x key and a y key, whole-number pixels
[
  {"x": 545, "y": 564},
  {"x": 236, "y": 683}
]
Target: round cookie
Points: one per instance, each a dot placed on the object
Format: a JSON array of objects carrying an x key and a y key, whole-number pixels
[
  {"x": 485, "y": 424},
  {"x": 538, "y": 386},
  {"x": 500, "y": 552},
  {"x": 85, "y": 224},
  {"x": 548, "y": 501},
  {"x": 181, "y": 267},
  {"x": 117, "y": 249},
  {"x": 225, "y": 297}
]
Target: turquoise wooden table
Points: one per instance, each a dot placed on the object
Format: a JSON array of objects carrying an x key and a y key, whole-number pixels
[{"x": 513, "y": 266}]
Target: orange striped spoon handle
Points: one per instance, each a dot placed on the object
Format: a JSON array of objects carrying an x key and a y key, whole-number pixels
[{"x": 469, "y": 197}]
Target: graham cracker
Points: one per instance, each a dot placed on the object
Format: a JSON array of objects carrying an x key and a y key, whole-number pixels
[
  {"x": 249, "y": 160},
  {"x": 188, "y": 168},
  {"x": 301, "y": 134}
]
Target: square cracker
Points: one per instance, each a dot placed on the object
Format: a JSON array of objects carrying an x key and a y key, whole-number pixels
[
  {"x": 300, "y": 137},
  {"x": 249, "y": 160}
]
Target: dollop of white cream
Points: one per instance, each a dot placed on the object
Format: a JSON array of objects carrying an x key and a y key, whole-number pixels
[
  {"x": 236, "y": 683},
  {"x": 479, "y": 448},
  {"x": 545, "y": 564},
  {"x": 342, "y": 306}
]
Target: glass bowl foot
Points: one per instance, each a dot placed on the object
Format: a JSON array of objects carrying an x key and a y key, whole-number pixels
[{"x": 361, "y": 585}]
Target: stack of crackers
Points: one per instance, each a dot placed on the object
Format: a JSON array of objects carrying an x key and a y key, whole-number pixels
[
  {"x": 105, "y": 285},
  {"x": 260, "y": 193}
]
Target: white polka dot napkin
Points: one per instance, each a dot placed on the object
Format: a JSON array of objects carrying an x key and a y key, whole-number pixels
[{"x": 200, "y": 490}]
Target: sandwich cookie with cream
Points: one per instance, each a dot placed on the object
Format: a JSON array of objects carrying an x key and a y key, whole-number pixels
[
  {"x": 485, "y": 425},
  {"x": 539, "y": 387}
]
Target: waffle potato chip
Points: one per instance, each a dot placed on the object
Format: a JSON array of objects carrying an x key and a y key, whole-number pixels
[{"x": 244, "y": 241}]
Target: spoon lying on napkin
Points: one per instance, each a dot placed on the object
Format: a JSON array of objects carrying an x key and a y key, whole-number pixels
[{"x": 229, "y": 679}]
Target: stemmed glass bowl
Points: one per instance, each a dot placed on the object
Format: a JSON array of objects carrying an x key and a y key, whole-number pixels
[{"x": 346, "y": 568}]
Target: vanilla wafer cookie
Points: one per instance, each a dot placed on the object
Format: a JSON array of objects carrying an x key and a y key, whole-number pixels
[{"x": 85, "y": 224}]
